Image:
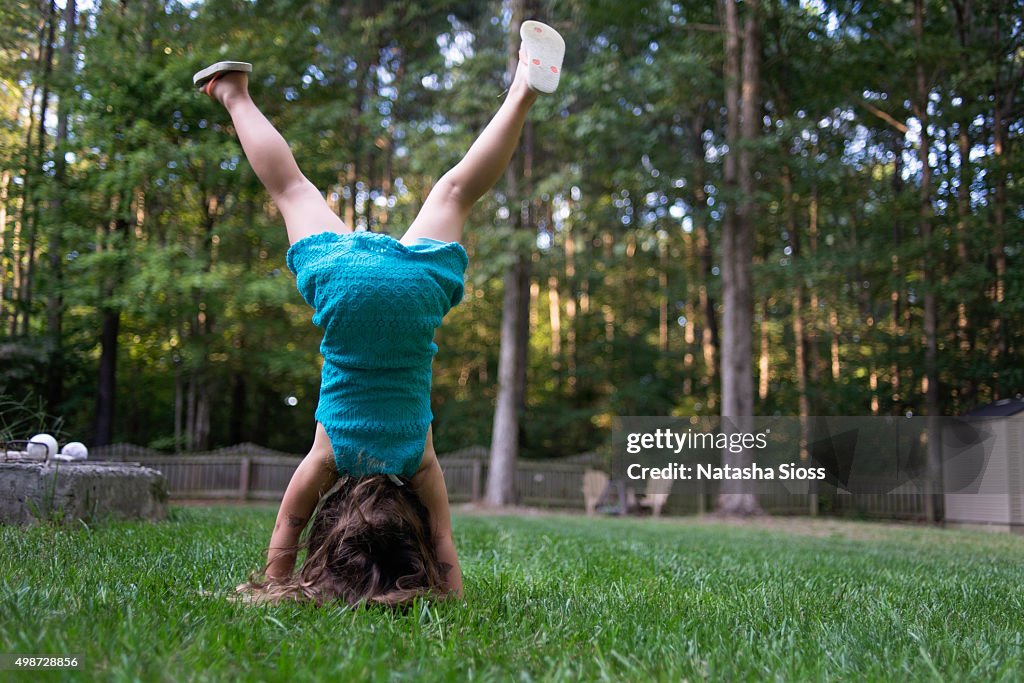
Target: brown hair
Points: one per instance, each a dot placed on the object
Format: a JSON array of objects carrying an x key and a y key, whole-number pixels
[{"x": 369, "y": 543}]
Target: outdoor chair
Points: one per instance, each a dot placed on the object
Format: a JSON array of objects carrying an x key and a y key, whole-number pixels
[
  {"x": 656, "y": 495},
  {"x": 595, "y": 483}
]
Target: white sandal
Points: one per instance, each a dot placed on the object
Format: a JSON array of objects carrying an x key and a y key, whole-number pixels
[
  {"x": 205, "y": 78},
  {"x": 542, "y": 51}
]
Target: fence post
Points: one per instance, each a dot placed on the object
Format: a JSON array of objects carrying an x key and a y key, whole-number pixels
[
  {"x": 243, "y": 479},
  {"x": 478, "y": 469}
]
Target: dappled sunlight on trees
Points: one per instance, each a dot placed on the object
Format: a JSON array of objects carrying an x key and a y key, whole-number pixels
[{"x": 146, "y": 299}]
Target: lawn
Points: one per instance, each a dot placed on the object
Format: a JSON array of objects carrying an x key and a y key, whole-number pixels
[{"x": 547, "y": 598}]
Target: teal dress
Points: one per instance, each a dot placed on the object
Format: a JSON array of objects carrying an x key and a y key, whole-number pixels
[{"x": 378, "y": 302}]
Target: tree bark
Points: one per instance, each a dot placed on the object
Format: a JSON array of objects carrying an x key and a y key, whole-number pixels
[
  {"x": 110, "y": 325},
  {"x": 55, "y": 299},
  {"x": 710, "y": 341},
  {"x": 179, "y": 404},
  {"x": 930, "y": 304},
  {"x": 23, "y": 213},
  {"x": 1004, "y": 96},
  {"x": 35, "y": 222},
  {"x": 501, "y": 488},
  {"x": 5, "y": 182},
  {"x": 799, "y": 337},
  {"x": 663, "y": 295},
  {"x": 570, "y": 311},
  {"x": 764, "y": 360},
  {"x": 555, "y": 318},
  {"x": 963, "y": 25},
  {"x": 743, "y": 126}
]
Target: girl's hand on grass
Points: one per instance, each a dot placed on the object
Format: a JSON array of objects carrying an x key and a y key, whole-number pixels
[
  {"x": 242, "y": 594},
  {"x": 245, "y": 594}
]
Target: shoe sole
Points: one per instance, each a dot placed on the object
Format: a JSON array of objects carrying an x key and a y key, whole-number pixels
[
  {"x": 200, "y": 78},
  {"x": 545, "y": 49}
]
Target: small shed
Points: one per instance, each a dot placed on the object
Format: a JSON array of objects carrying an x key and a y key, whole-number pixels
[{"x": 990, "y": 494}]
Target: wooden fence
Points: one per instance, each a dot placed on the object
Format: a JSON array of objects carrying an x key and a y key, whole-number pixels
[{"x": 251, "y": 472}]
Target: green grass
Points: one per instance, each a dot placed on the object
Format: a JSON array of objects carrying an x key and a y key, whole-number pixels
[{"x": 547, "y": 598}]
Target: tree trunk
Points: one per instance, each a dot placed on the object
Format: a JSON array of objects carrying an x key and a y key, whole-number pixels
[
  {"x": 201, "y": 440},
  {"x": 570, "y": 311},
  {"x": 763, "y": 361},
  {"x": 663, "y": 295},
  {"x": 179, "y": 404},
  {"x": 1004, "y": 97},
  {"x": 34, "y": 224},
  {"x": 737, "y": 252},
  {"x": 110, "y": 324},
  {"x": 522, "y": 342},
  {"x": 833, "y": 330},
  {"x": 23, "y": 214},
  {"x": 799, "y": 337},
  {"x": 709, "y": 338},
  {"x": 963, "y": 21},
  {"x": 930, "y": 305},
  {"x": 527, "y": 220},
  {"x": 514, "y": 334},
  {"x": 505, "y": 438},
  {"x": 555, "y": 318},
  {"x": 55, "y": 300},
  {"x": 190, "y": 413},
  {"x": 107, "y": 381},
  {"x": 5, "y": 182}
]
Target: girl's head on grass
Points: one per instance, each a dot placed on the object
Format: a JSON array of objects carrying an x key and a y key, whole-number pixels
[{"x": 370, "y": 542}]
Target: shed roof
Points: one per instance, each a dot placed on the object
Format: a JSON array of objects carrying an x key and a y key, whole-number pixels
[{"x": 1002, "y": 408}]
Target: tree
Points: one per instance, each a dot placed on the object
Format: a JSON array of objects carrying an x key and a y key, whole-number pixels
[
  {"x": 514, "y": 314},
  {"x": 744, "y": 122}
]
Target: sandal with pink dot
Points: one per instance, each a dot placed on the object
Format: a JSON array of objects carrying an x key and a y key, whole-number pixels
[
  {"x": 542, "y": 51},
  {"x": 205, "y": 79}
]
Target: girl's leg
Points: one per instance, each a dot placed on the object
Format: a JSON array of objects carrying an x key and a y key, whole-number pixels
[
  {"x": 450, "y": 200},
  {"x": 303, "y": 207}
]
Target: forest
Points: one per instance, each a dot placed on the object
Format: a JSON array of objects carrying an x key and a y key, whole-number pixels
[{"x": 766, "y": 207}]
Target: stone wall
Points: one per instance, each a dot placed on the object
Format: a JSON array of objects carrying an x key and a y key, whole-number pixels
[{"x": 90, "y": 491}]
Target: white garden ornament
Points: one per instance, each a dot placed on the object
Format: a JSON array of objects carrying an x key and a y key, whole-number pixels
[
  {"x": 42, "y": 446},
  {"x": 45, "y": 447},
  {"x": 76, "y": 450}
]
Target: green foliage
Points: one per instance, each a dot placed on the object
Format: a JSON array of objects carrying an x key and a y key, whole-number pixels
[
  {"x": 22, "y": 419},
  {"x": 155, "y": 215}
]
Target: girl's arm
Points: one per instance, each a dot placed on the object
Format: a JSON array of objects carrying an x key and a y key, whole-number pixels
[
  {"x": 314, "y": 476},
  {"x": 428, "y": 483}
]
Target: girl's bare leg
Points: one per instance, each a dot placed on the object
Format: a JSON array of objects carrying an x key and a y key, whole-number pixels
[
  {"x": 447, "y": 206},
  {"x": 303, "y": 207}
]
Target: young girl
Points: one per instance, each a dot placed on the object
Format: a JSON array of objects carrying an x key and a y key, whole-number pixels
[{"x": 383, "y": 534}]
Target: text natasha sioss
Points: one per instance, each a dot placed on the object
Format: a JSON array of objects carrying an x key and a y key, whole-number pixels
[{"x": 722, "y": 472}]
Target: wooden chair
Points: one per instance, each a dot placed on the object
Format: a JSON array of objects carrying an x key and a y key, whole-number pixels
[
  {"x": 595, "y": 483},
  {"x": 656, "y": 495}
]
